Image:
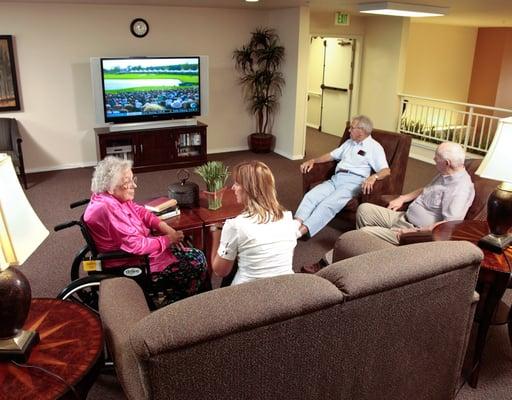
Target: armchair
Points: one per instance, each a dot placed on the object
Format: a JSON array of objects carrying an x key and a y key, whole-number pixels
[
  {"x": 396, "y": 146},
  {"x": 10, "y": 143}
]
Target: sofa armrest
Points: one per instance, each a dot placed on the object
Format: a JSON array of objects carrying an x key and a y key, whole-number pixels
[
  {"x": 319, "y": 173},
  {"x": 389, "y": 268},
  {"x": 355, "y": 243}
]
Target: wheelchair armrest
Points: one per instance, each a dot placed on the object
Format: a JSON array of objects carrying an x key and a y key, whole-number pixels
[
  {"x": 119, "y": 254},
  {"x": 319, "y": 173}
]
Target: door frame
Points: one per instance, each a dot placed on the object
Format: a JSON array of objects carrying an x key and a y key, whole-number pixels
[{"x": 356, "y": 70}]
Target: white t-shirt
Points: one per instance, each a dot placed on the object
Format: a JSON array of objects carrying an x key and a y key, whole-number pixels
[{"x": 263, "y": 250}]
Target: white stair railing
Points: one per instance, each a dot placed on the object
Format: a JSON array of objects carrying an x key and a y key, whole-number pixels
[{"x": 435, "y": 121}]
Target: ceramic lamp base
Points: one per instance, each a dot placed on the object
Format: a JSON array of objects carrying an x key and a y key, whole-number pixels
[
  {"x": 18, "y": 347},
  {"x": 495, "y": 243}
]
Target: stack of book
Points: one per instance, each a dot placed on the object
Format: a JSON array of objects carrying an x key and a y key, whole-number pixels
[{"x": 163, "y": 207}]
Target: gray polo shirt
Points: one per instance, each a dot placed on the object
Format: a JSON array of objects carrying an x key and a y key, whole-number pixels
[{"x": 446, "y": 198}]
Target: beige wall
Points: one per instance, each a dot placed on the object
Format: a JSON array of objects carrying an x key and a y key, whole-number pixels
[
  {"x": 53, "y": 44},
  {"x": 290, "y": 126},
  {"x": 439, "y": 61},
  {"x": 383, "y": 69}
]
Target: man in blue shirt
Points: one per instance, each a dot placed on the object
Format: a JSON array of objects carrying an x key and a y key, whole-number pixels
[{"x": 357, "y": 157}]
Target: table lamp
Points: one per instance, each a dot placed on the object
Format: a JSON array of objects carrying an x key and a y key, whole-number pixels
[
  {"x": 21, "y": 232},
  {"x": 497, "y": 165}
]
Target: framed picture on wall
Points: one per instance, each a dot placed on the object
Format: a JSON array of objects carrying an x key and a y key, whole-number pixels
[{"x": 9, "y": 98}]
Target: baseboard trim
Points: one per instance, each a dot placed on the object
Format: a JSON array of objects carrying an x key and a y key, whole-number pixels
[{"x": 62, "y": 166}]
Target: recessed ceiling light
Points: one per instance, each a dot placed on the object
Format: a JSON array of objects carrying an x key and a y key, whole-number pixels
[
  {"x": 402, "y": 9},
  {"x": 251, "y": 1}
]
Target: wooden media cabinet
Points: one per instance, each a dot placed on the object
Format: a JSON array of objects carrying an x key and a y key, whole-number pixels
[{"x": 154, "y": 148}]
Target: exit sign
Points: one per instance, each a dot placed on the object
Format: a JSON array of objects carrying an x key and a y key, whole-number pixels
[{"x": 341, "y": 18}]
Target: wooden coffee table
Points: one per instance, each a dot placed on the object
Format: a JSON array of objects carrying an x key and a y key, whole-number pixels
[
  {"x": 70, "y": 346},
  {"x": 493, "y": 279},
  {"x": 196, "y": 222}
]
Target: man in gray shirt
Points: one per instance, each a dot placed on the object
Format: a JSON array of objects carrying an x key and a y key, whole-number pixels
[{"x": 447, "y": 198}]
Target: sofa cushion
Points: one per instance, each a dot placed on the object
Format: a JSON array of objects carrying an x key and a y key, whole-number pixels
[{"x": 232, "y": 309}]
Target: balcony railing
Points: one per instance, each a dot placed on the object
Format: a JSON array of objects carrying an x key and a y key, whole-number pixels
[{"x": 436, "y": 121}]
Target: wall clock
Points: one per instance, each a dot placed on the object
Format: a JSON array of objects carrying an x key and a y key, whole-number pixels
[{"x": 139, "y": 27}]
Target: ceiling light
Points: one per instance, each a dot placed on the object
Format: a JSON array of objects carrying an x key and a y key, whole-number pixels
[
  {"x": 251, "y": 1},
  {"x": 402, "y": 9}
]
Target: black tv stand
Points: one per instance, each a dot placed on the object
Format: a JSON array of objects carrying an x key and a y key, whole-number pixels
[{"x": 155, "y": 148}]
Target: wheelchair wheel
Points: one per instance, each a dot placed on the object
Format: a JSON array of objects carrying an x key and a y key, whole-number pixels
[{"x": 84, "y": 291}]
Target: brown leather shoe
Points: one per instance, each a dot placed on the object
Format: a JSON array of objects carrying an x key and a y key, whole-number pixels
[{"x": 313, "y": 268}]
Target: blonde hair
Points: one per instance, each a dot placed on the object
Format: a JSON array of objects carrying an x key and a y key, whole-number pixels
[{"x": 259, "y": 191}]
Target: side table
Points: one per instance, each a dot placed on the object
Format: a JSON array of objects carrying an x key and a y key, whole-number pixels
[
  {"x": 493, "y": 280},
  {"x": 70, "y": 346}
]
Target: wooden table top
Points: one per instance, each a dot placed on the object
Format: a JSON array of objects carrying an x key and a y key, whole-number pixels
[
  {"x": 472, "y": 231},
  {"x": 230, "y": 208},
  {"x": 71, "y": 341}
]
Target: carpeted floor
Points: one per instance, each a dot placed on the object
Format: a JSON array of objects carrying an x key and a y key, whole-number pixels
[{"x": 48, "y": 268}]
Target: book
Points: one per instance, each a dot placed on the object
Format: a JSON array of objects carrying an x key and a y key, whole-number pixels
[
  {"x": 169, "y": 214},
  {"x": 160, "y": 203}
]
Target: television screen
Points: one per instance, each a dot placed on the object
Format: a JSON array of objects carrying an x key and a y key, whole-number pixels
[{"x": 150, "y": 88}]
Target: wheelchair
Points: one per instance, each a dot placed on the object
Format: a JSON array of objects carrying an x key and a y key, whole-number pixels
[{"x": 84, "y": 289}]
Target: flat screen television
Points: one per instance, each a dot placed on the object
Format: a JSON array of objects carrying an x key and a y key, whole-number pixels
[{"x": 145, "y": 89}]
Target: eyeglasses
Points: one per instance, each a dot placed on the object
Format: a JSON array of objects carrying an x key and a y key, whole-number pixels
[{"x": 130, "y": 183}]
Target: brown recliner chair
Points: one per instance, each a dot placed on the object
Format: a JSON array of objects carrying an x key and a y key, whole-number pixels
[
  {"x": 396, "y": 147},
  {"x": 10, "y": 143}
]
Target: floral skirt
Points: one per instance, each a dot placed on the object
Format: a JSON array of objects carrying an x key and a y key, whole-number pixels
[{"x": 183, "y": 278}]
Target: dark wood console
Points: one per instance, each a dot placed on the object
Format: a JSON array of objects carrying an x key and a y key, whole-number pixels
[{"x": 156, "y": 148}]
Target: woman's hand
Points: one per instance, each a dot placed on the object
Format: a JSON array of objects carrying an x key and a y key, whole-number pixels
[{"x": 175, "y": 236}]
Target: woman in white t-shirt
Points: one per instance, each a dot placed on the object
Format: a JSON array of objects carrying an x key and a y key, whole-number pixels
[{"x": 262, "y": 238}]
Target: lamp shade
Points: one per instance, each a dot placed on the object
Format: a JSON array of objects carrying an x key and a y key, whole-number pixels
[
  {"x": 21, "y": 230},
  {"x": 497, "y": 163}
]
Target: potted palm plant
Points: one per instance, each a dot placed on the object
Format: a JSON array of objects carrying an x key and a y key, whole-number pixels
[
  {"x": 215, "y": 174},
  {"x": 258, "y": 63}
]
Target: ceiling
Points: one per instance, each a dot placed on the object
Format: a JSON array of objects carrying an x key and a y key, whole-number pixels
[{"x": 482, "y": 13}]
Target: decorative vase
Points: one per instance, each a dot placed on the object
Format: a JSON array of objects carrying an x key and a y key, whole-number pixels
[{"x": 214, "y": 198}]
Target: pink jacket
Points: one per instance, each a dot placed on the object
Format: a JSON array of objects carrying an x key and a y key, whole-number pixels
[{"x": 115, "y": 225}]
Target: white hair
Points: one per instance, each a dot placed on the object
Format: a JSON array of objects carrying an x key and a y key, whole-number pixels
[
  {"x": 108, "y": 174},
  {"x": 452, "y": 152},
  {"x": 364, "y": 123}
]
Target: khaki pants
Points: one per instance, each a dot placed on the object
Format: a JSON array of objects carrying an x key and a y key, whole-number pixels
[{"x": 380, "y": 221}]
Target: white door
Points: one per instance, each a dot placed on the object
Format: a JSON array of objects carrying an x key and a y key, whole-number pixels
[
  {"x": 315, "y": 76},
  {"x": 337, "y": 85}
]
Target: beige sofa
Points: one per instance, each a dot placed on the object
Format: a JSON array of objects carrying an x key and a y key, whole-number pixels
[{"x": 391, "y": 324}]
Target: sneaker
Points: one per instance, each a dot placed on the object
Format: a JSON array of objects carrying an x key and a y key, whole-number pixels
[{"x": 314, "y": 268}]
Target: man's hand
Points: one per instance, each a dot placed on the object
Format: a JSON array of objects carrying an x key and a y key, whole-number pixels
[
  {"x": 306, "y": 166},
  {"x": 368, "y": 183},
  {"x": 396, "y": 204}
]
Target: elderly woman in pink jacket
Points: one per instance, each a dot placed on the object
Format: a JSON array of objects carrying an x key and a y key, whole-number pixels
[{"x": 116, "y": 222}]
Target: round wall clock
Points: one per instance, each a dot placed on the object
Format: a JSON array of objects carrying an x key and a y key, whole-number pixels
[{"x": 139, "y": 27}]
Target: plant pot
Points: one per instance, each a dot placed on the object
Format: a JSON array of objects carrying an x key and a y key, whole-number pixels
[
  {"x": 214, "y": 198},
  {"x": 261, "y": 142}
]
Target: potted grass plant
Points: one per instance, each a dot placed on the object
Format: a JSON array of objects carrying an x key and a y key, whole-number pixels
[
  {"x": 258, "y": 63},
  {"x": 214, "y": 174}
]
